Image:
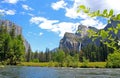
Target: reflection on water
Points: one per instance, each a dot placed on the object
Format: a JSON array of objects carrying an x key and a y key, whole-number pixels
[{"x": 45, "y": 72}]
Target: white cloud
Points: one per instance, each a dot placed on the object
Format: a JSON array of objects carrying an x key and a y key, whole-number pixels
[
  {"x": 104, "y": 4},
  {"x": 2, "y": 11},
  {"x": 10, "y": 12},
  {"x": 93, "y": 22},
  {"x": 71, "y": 13},
  {"x": 26, "y": 7},
  {"x": 54, "y": 25},
  {"x": 114, "y": 4},
  {"x": 58, "y": 5},
  {"x": 40, "y": 33},
  {"x": 30, "y": 14},
  {"x": 63, "y": 27},
  {"x": 11, "y": 1},
  {"x": 7, "y": 12},
  {"x": 37, "y": 20}
]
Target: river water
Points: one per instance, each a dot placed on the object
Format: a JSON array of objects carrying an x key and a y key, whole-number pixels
[{"x": 49, "y": 72}]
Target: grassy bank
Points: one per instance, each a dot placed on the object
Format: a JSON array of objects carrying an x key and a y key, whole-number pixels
[
  {"x": 55, "y": 64},
  {"x": 97, "y": 64},
  {"x": 40, "y": 64}
]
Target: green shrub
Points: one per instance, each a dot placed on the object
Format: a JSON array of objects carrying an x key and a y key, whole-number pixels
[
  {"x": 75, "y": 64},
  {"x": 113, "y": 60},
  {"x": 64, "y": 64},
  {"x": 35, "y": 60},
  {"x": 85, "y": 62},
  {"x": 51, "y": 64}
]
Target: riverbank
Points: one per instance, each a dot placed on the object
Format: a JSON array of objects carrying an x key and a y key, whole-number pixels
[
  {"x": 1, "y": 66},
  {"x": 55, "y": 64}
]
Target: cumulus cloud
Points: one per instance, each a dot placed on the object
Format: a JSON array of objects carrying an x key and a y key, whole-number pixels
[
  {"x": 104, "y": 4},
  {"x": 10, "y": 12},
  {"x": 58, "y": 5},
  {"x": 93, "y": 22},
  {"x": 71, "y": 12},
  {"x": 2, "y": 11},
  {"x": 26, "y": 7},
  {"x": 11, "y": 1},
  {"x": 7, "y": 12},
  {"x": 54, "y": 25}
]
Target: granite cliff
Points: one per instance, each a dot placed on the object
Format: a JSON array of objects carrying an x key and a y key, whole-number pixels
[{"x": 74, "y": 41}]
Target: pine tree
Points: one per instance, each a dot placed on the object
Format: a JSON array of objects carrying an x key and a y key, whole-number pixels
[{"x": 28, "y": 54}]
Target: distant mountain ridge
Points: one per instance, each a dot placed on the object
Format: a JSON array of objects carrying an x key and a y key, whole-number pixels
[{"x": 18, "y": 31}]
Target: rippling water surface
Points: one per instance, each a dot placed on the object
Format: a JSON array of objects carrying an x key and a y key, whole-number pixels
[{"x": 48, "y": 72}]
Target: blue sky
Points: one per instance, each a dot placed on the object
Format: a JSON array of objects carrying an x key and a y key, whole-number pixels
[{"x": 44, "y": 22}]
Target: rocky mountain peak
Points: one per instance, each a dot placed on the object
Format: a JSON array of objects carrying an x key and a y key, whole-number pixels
[
  {"x": 82, "y": 27},
  {"x": 73, "y": 42},
  {"x": 69, "y": 35},
  {"x": 82, "y": 31}
]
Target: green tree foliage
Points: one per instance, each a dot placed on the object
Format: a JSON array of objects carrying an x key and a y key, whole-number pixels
[
  {"x": 96, "y": 53},
  {"x": 85, "y": 62},
  {"x": 48, "y": 55},
  {"x": 113, "y": 60},
  {"x": 59, "y": 56},
  {"x": 72, "y": 61},
  {"x": 11, "y": 46},
  {"x": 28, "y": 54}
]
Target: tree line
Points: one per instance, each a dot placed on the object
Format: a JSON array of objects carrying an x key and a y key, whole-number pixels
[
  {"x": 92, "y": 52},
  {"x": 53, "y": 56}
]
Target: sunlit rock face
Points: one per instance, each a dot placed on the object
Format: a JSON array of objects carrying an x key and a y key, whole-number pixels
[
  {"x": 74, "y": 42},
  {"x": 69, "y": 42},
  {"x": 18, "y": 30},
  {"x": 82, "y": 31}
]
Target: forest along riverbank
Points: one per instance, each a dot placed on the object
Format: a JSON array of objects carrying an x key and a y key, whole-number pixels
[{"x": 56, "y": 64}]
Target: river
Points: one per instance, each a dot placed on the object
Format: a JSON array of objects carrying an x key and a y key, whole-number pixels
[{"x": 52, "y": 72}]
